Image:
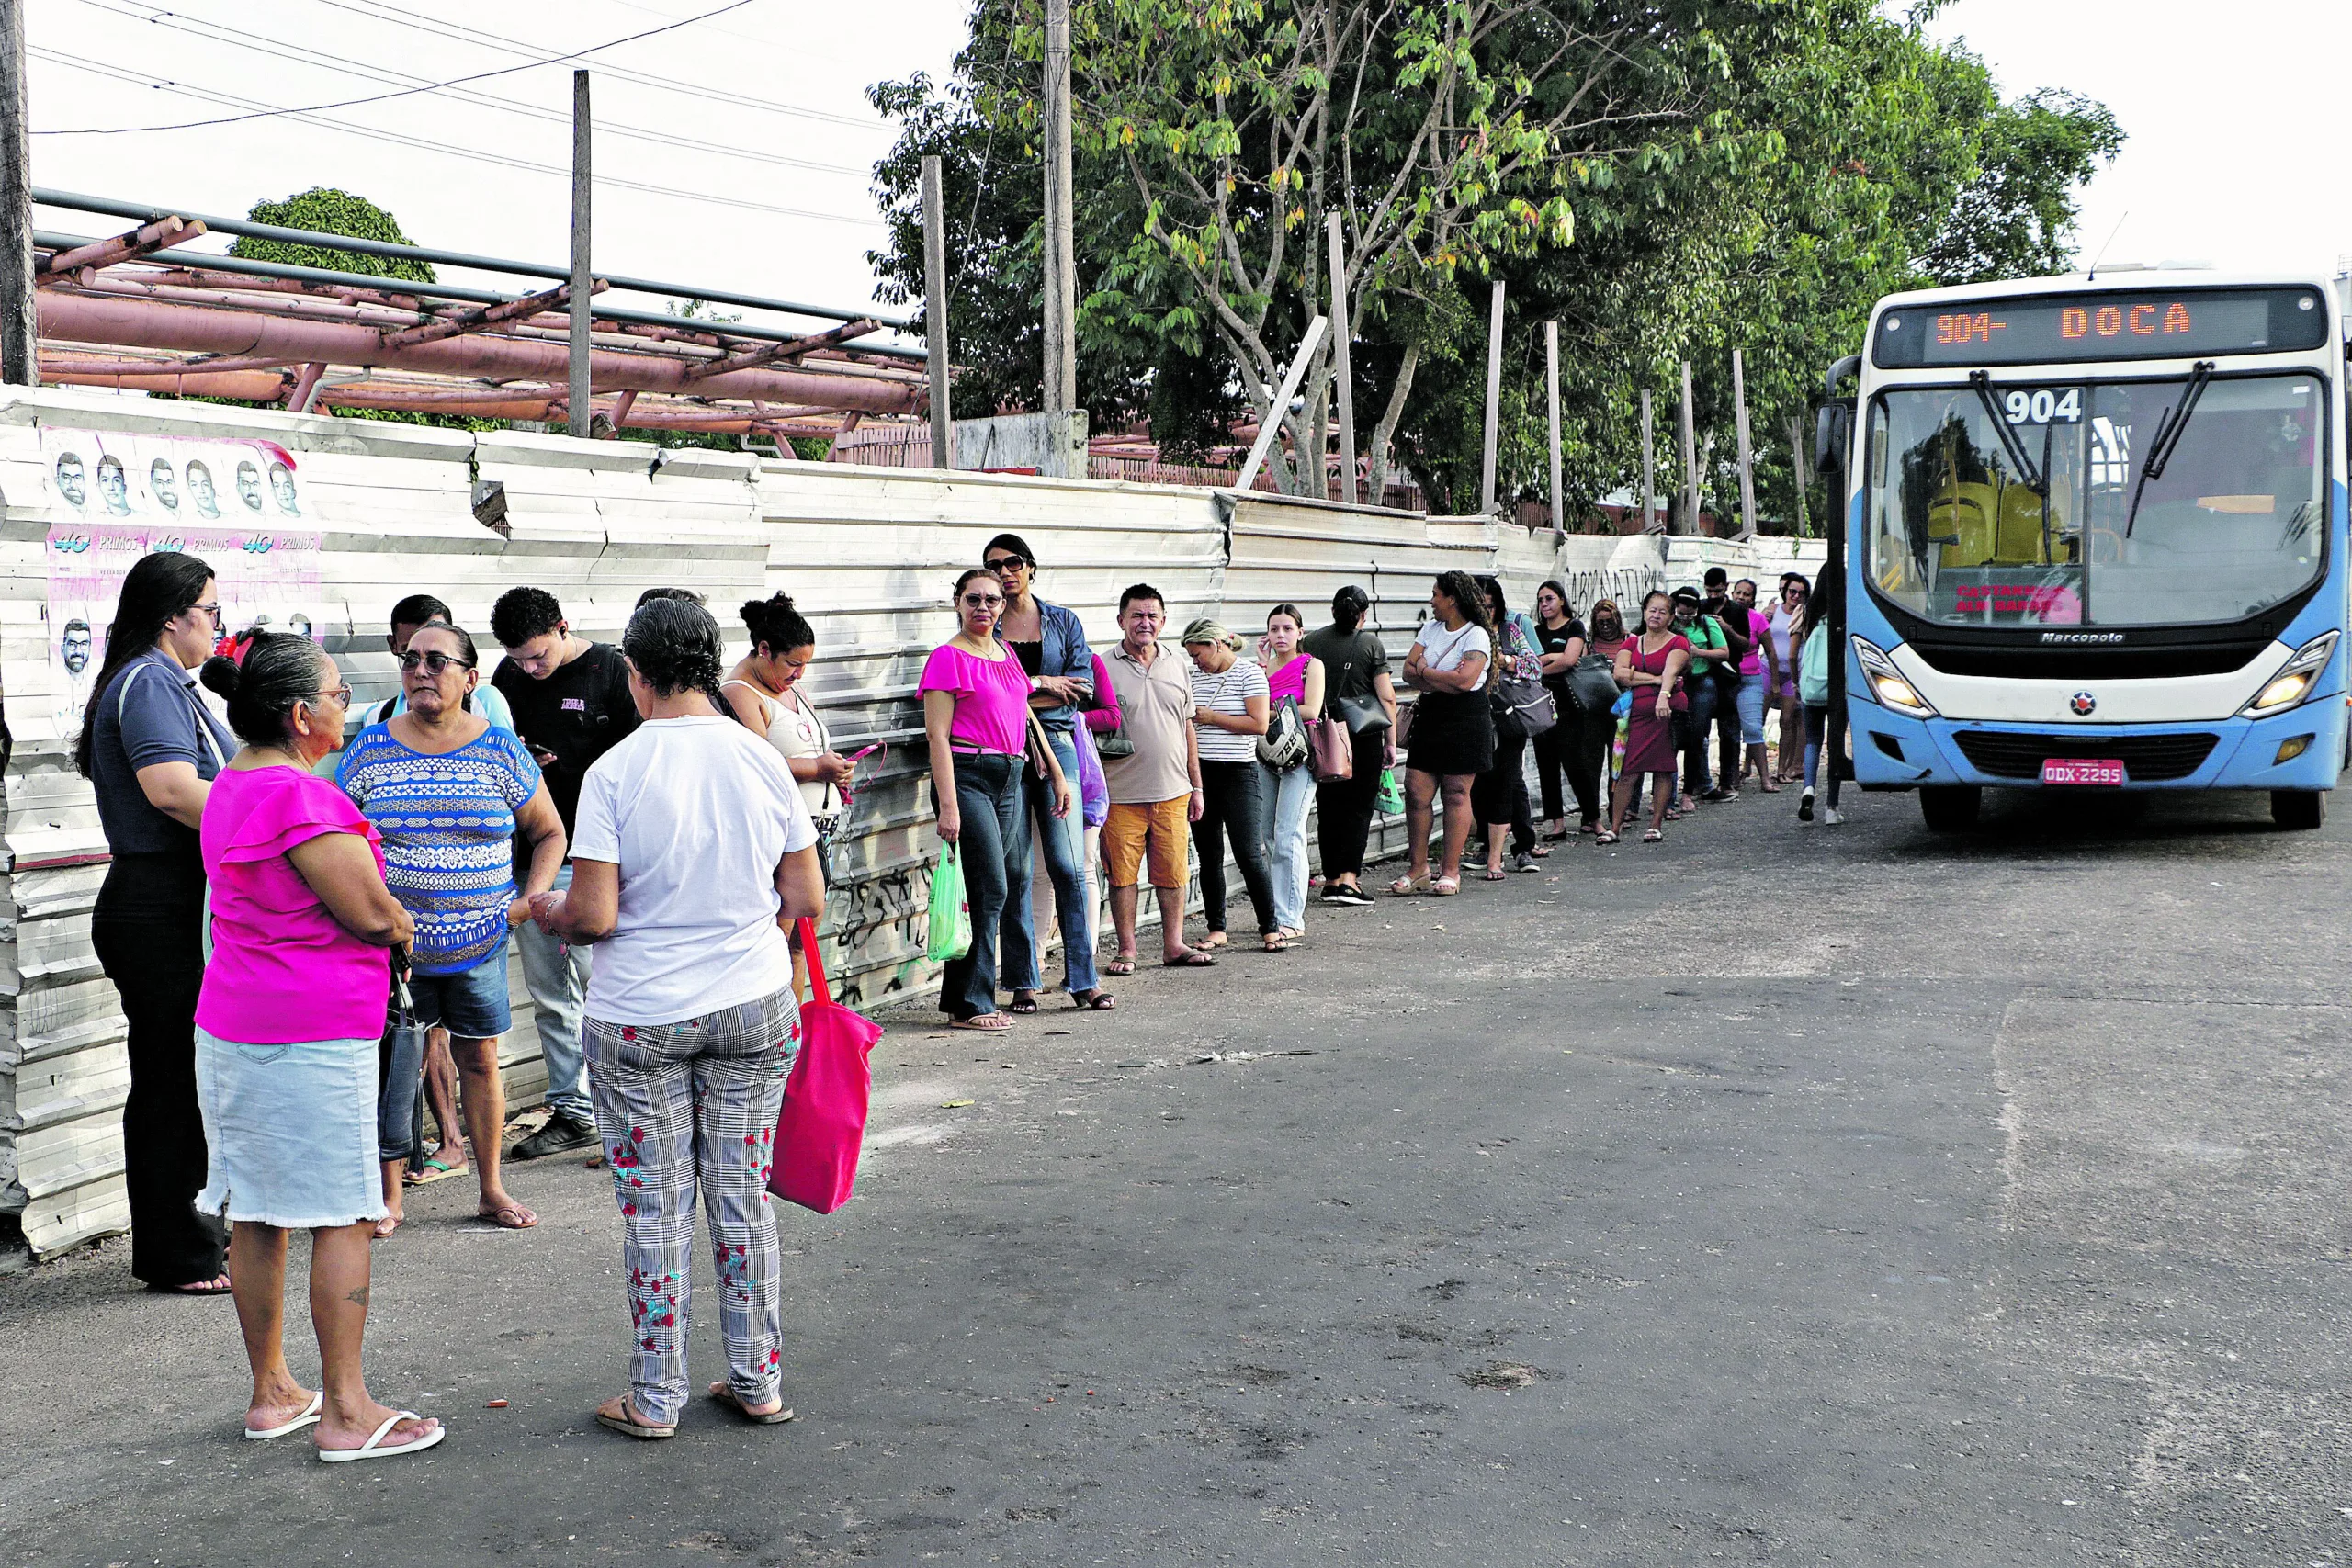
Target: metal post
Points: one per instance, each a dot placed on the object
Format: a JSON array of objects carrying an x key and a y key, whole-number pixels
[
  {"x": 583, "y": 411},
  {"x": 1690, "y": 458},
  {"x": 1340, "y": 372},
  {"x": 1552, "y": 399},
  {"x": 1650, "y": 467},
  {"x": 1801, "y": 469},
  {"x": 1494, "y": 396},
  {"x": 935, "y": 280},
  {"x": 1062, "y": 255},
  {"x": 1746, "y": 453},
  {"x": 19, "y": 320}
]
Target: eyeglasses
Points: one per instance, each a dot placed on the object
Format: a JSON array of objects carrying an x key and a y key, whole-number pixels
[
  {"x": 212, "y": 610},
  {"x": 983, "y": 601},
  {"x": 1006, "y": 563},
  {"x": 433, "y": 663},
  {"x": 341, "y": 695}
]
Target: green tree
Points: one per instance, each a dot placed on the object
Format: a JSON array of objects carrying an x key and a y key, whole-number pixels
[
  {"x": 327, "y": 211},
  {"x": 2016, "y": 217}
]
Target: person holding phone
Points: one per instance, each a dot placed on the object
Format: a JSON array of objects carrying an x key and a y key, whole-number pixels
[{"x": 571, "y": 705}]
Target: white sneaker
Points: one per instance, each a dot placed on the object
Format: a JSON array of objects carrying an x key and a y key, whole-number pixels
[
  {"x": 1832, "y": 815},
  {"x": 1805, "y": 807}
]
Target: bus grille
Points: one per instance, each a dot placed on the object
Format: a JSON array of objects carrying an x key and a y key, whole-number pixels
[{"x": 2147, "y": 759}]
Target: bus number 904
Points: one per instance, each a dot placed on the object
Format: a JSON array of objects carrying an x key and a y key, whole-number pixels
[{"x": 2044, "y": 407}]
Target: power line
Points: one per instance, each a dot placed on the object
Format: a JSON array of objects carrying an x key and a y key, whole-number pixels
[
  {"x": 475, "y": 154},
  {"x": 197, "y": 26},
  {"x": 406, "y": 92},
  {"x": 376, "y": 11}
]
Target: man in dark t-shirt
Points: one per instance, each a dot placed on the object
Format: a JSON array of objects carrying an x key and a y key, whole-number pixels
[{"x": 571, "y": 705}]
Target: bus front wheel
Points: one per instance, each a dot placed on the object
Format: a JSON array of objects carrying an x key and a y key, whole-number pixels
[
  {"x": 2298, "y": 810},
  {"x": 1949, "y": 808}
]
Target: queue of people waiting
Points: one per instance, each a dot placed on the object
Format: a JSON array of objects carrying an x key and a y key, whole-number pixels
[{"x": 648, "y": 822}]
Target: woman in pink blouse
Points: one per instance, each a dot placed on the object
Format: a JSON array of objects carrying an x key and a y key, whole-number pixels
[
  {"x": 977, "y": 716},
  {"x": 287, "y": 1027}
]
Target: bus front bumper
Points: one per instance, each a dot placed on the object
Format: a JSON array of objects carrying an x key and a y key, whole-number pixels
[{"x": 2301, "y": 749}]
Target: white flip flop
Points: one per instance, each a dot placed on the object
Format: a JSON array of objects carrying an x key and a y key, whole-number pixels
[
  {"x": 308, "y": 1417},
  {"x": 373, "y": 1448}
]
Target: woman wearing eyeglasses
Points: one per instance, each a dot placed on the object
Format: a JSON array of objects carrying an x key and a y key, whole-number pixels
[
  {"x": 450, "y": 792},
  {"x": 977, "y": 716},
  {"x": 150, "y": 751}
]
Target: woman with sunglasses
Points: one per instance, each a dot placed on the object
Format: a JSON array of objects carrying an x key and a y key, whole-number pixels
[
  {"x": 450, "y": 792},
  {"x": 1051, "y": 644},
  {"x": 1782, "y": 624},
  {"x": 982, "y": 731},
  {"x": 151, "y": 750}
]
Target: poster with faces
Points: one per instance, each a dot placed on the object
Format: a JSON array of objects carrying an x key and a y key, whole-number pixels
[{"x": 114, "y": 496}]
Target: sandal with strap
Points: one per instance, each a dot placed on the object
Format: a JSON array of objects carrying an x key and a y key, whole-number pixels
[
  {"x": 1096, "y": 1001},
  {"x": 1445, "y": 886},
  {"x": 1653, "y": 836},
  {"x": 1405, "y": 886},
  {"x": 1603, "y": 837}
]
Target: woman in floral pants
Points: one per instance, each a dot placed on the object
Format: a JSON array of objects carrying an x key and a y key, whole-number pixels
[{"x": 693, "y": 844}]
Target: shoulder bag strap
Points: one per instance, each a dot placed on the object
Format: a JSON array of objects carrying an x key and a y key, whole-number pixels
[{"x": 818, "y": 992}]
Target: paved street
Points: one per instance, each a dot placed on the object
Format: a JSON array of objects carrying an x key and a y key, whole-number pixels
[{"x": 1973, "y": 1201}]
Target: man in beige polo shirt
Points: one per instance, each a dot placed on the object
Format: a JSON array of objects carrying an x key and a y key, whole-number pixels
[{"x": 1156, "y": 792}]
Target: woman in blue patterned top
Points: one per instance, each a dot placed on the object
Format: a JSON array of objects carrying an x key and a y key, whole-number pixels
[{"x": 450, "y": 792}]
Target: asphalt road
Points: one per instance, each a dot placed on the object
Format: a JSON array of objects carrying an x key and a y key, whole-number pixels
[{"x": 1775, "y": 1195}]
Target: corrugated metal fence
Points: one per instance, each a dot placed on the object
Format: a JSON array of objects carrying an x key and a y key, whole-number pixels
[{"x": 869, "y": 554}]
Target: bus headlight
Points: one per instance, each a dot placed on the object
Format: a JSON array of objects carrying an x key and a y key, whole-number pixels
[
  {"x": 1887, "y": 687},
  {"x": 2295, "y": 678}
]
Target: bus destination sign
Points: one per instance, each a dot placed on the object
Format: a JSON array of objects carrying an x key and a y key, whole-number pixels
[{"x": 2056, "y": 328}]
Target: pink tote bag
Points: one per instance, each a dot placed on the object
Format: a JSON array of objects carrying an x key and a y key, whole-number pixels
[{"x": 823, "y": 1123}]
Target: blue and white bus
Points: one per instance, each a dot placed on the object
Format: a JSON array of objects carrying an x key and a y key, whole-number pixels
[{"x": 2095, "y": 539}]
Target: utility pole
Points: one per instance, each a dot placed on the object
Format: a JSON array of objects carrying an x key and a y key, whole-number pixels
[
  {"x": 1061, "y": 253},
  {"x": 1746, "y": 453},
  {"x": 1690, "y": 458},
  {"x": 1649, "y": 466},
  {"x": 1801, "y": 468},
  {"x": 1494, "y": 396},
  {"x": 1340, "y": 372},
  {"x": 935, "y": 281},
  {"x": 583, "y": 290},
  {"x": 1552, "y": 402},
  {"x": 19, "y": 320}
]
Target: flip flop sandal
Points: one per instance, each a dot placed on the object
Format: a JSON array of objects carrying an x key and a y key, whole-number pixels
[
  {"x": 308, "y": 1417},
  {"x": 1653, "y": 836},
  {"x": 508, "y": 1217},
  {"x": 978, "y": 1021},
  {"x": 1119, "y": 966},
  {"x": 1095, "y": 1000},
  {"x": 387, "y": 1226},
  {"x": 1494, "y": 875},
  {"x": 212, "y": 1287},
  {"x": 722, "y": 1394},
  {"x": 1023, "y": 1007},
  {"x": 627, "y": 1423},
  {"x": 375, "y": 1447},
  {"x": 1192, "y": 959},
  {"x": 1277, "y": 943},
  {"x": 435, "y": 1171}
]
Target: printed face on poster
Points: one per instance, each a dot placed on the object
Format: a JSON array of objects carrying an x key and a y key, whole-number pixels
[{"x": 116, "y": 496}]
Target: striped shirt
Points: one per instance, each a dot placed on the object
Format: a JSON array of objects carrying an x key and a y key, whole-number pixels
[
  {"x": 1228, "y": 694},
  {"x": 449, "y": 829}
]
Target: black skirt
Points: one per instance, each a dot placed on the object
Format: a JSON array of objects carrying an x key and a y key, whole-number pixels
[{"x": 1454, "y": 732}]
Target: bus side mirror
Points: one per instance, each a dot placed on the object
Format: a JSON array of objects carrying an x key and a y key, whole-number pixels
[{"x": 1832, "y": 437}]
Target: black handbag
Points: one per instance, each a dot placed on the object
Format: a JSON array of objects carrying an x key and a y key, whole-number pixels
[
  {"x": 1593, "y": 684},
  {"x": 1361, "y": 715}
]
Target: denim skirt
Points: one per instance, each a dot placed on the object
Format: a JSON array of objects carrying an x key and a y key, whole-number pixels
[{"x": 291, "y": 1131}]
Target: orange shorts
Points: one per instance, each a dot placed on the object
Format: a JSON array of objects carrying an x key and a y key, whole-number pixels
[{"x": 1167, "y": 824}]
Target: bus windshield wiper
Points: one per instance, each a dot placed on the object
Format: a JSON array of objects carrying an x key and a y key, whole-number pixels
[
  {"x": 1983, "y": 381},
  {"x": 2169, "y": 429}
]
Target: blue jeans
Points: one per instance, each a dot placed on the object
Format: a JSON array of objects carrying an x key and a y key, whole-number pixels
[
  {"x": 556, "y": 974},
  {"x": 994, "y": 854},
  {"x": 1063, "y": 843},
  {"x": 1751, "y": 709},
  {"x": 1287, "y": 796},
  {"x": 1697, "y": 733}
]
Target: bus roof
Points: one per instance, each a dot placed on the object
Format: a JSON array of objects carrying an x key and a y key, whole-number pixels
[{"x": 2120, "y": 277}]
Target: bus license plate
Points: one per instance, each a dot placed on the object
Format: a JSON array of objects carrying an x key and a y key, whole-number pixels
[{"x": 2082, "y": 771}]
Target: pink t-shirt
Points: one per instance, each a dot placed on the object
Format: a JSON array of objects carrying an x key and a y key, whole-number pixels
[
  {"x": 284, "y": 971},
  {"x": 1290, "y": 680},
  {"x": 1759, "y": 629},
  {"x": 991, "y": 699}
]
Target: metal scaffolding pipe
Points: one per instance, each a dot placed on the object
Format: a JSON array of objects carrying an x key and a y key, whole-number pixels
[
  {"x": 68, "y": 317},
  {"x": 70, "y": 202}
]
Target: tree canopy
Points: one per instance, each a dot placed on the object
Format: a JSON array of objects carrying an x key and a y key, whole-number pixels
[{"x": 1668, "y": 179}]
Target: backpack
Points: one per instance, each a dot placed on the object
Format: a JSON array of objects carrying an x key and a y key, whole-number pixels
[{"x": 1813, "y": 669}]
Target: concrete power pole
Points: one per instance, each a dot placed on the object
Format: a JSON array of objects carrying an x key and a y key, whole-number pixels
[
  {"x": 934, "y": 280},
  {"x": 1690, "y": 458},
  {"x": 1649, "y": 466},
  {"x": 1061, "y": 253},
  {"x": 1339, "y": 373},
  {"x": 19, "y": 321},
  {"x": 582, "y": 410},
  {"x": 1494, "y": 397},
  {"x": 1747, "y": 451},
  {"x": 1552, "y": 411}
]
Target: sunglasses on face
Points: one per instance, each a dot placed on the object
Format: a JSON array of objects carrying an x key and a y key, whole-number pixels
[
  {"x": 431, "y": 664},
  {"x": 983, "y": 601},
  {"x": 1006, "y": 563}
]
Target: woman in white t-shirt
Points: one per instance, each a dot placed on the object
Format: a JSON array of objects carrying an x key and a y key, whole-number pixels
[
  {"x": 764, "y": 690},
  {"x": 1230, "y": 705},
  {"x": 691, "y": 853},
  {"x": 1452, "y": 736}
]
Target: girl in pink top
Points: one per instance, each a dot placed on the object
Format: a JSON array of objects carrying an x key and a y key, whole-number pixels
[
  {"x": 286, "y": 1029},
  {"x": 1299, "y": 676}
]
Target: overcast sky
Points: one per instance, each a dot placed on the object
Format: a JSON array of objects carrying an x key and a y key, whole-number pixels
[{"x": 2234, "y": 154}]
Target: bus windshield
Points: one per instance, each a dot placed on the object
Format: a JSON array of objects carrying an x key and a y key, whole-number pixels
[{"x": 2084, "y": 531}]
